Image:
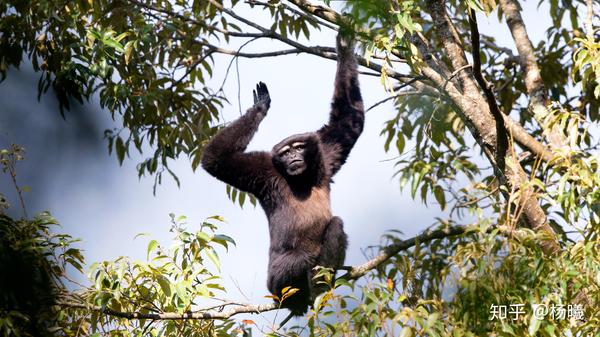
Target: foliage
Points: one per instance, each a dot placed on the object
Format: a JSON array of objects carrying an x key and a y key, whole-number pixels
[
  {"x": 33, "y": 261},
  {"x": 180, "y": 279},
  {"x": 150, "y": 62},
  {"x": 449, "y": 287}
]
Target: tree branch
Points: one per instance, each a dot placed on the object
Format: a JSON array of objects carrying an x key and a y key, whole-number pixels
[
  {"x": 393, "y": 249},
  {"x": 501, "y": 135},
  {"x": 314, "y": 19},
  {"x": 481, "y": 120},
  {"x": 321, "y": 50},
  {"x": 402, "y": 93},
  {"x": 330, "y": 55},
  {"x": 533, "y": 79},
  {"x": 523, "y": 138},
  {"x": 209, "y": 314},
  {"x": 589, "y": 27},
  {"x": 323, "y": 12}
]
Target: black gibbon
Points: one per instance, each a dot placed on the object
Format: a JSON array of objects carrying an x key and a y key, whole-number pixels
[{"x": 292, "y": 182}]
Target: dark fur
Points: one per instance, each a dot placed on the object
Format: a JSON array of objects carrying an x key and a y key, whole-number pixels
[{"x": 302, "y": 229}]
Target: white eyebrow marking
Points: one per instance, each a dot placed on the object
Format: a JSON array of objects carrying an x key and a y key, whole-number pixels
[
  {"x": 283, "y": 149},
  {"x": 296, "y": 144}
]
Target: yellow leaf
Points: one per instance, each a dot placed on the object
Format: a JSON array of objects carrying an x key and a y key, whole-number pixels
[
  {"x": 289, "y": 293},
  {"x": 275, "y": 297},
  {"x": 390, "y": 284}
]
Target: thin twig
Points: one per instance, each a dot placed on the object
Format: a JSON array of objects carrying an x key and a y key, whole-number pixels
[{"x": 206, "y": 315}]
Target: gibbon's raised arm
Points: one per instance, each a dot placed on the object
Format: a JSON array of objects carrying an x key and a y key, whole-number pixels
[
  {"x": 347, "y": 116},
  {"x": 225, "y": 158}
]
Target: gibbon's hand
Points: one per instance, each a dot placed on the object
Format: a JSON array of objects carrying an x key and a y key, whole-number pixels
[
  {"x": 344, "y": 45},
  {"x": 261, "y": 95}
]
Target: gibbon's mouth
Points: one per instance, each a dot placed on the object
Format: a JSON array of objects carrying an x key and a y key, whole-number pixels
[
  {"x": 295, "y": 161},
  {"x": 296, "y": 167}
]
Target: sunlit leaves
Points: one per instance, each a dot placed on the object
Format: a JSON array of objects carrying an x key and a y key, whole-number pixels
[
  {"x": 586, "y": 68},
  {"x": 175, "y": 279}
]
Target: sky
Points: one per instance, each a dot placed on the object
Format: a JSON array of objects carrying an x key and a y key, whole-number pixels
[{"x": 70, "y": 173}]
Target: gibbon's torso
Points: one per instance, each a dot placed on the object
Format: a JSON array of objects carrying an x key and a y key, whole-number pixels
[{"x": 300, "y": 218}]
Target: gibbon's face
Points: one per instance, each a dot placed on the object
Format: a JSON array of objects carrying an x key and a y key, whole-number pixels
[
  {"x": 292, "y": 156},
  {"x": 296, "y": 154}
]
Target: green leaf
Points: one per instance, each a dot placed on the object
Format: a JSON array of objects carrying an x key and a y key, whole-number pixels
[
  {"x": 220, "y": 238},
  {"x": 242, "y": 198},
  {"x": 438, "y": 192},
  {"x": 181, "y": 291},
  {"x": 120, "y": 147},
  {"x": 165, "y": 285},
  {"x": 400, "y": 142},
  {"x": 213, "y": 257},
  {"x": 217, "y": 217},
  {"x": 152, "y": 245}
]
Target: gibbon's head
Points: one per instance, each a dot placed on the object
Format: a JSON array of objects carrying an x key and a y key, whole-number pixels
[{"x": 298, "y": 155}]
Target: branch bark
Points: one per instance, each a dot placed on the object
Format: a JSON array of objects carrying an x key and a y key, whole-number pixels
[
  {"x": 501, "y": 135},
  {"x": 393, "y": 249},
  {"x": 479, "y": 117},
  {"x": 533, "y": 79},
  {"x": 210, "y": 314}
]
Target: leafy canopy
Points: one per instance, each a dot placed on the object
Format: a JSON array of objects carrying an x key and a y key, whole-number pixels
[{"x": 149, "y": 61}]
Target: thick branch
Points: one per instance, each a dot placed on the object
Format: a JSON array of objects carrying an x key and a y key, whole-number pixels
[
  {"x": 393, "y": 249},
  {"x": 314, "y": 19},
  {"x": 468, "y": 100},
  {"x": 523, "y": 138},
  {"x": 452, "y": 45},
  {"x": 533, "y": 79},
  {"x": 482, "y": 121},
  {"x": 323, "y": 12}
]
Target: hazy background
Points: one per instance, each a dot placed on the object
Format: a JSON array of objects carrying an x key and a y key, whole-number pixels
[{"x": 70, "y": 173}]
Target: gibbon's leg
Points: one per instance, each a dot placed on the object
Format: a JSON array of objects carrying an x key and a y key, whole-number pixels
[
  {"x": 335, "y": 242},
  {"x": 291, "y": 268},
  {"x": 333, "y": 253}
]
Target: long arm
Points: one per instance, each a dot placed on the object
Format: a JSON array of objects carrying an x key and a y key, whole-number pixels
[
  {"x": 225, "y": 158},
  {"x": 347, "y": 111}
]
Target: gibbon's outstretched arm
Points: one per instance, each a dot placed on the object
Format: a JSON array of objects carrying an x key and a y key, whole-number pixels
[
  {"x": 347, "y": 111},
  {"x": 224, "y": 155}
]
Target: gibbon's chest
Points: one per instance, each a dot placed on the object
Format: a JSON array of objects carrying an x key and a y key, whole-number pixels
[{"x": 309, "y": 212}]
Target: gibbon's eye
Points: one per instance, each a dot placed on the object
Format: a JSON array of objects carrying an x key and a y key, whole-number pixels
[{"x": 284, "y": 150}]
